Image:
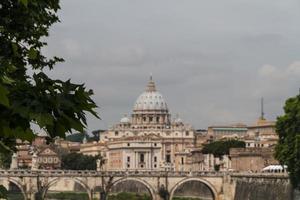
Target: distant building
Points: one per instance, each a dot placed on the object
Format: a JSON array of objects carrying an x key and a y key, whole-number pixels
[
  {"x": 261, "y": 134},
  {"x": 251, "y": 159},
  {"x": 259, "y": 152},
  {"x": 201, "y": 137},
  {"x": 68, "y": 146},
  {"x": 24, "y": 154},
  {"x": 93, "y": 148},
  {"x": 236, "y": 131},
  {"x": 47, "y": 156},
  {"x": 149, "y": 139}
]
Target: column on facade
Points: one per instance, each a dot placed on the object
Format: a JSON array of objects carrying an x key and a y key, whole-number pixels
[
  {"x": 135, "y": 161},
  {"x": 161, "y": 120},
  {"x": 149, "y": 160},
  {"x": 146, "y": 160},
  {"x": 133, "y": 119}
]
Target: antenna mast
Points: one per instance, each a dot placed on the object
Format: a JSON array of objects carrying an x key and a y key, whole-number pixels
[{"x": 262, "y": 109}]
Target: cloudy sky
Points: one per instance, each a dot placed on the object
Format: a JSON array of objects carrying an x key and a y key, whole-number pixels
[{"x": 212, "y": 60}]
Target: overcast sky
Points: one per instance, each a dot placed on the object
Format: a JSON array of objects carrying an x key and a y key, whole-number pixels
[{"x": 212, "y": 60}]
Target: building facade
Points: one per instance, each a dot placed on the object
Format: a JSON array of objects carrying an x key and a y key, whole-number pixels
[
  {"x": 149, "y": 139},
  {"x": 45, "y": 156}
]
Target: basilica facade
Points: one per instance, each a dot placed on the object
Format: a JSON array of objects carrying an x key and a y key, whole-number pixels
[{"x": 149, "y": 139}]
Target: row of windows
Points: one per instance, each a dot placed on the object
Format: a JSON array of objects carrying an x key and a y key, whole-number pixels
[
  {"x": 142, "y": 158},
  {"x": 128, "y": 144},
  {"x": 48, "y": 160},
  {"x": 255, "y": 145},
  {"x": 187, "y": 133},
  {"x": 142, "y": 166}
]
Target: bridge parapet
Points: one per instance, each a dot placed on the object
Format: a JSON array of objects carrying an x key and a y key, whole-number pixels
[
  {"x": 260, "y": 175},
  {"x": 92, "y": 173}
]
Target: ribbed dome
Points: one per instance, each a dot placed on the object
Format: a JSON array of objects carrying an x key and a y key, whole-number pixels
[{"x": 150, "y": 99}]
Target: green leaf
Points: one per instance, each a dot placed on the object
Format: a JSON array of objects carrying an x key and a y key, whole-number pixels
[
  {"x": 3, "y": 96},
  {"x": 11, "y": 68},
  {"x": 25, "y": 135},
  {"x": 74, "y": 123},
  {"x": 43, "y": 119},
  {"x": 7, "y": 131},
  {"x": 32, "y": 53},
  {"x": 7, "y": 80},
  {"x": 15, "y": 48},
  {"x": 24, "y": 2}
]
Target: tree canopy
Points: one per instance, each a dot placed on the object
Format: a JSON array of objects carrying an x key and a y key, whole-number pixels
[
  {"x": 78, "y": 137},
  {"x": 54, "y": 105},
  {"x": 77, "y": 161},
  {"x": 222, "y": 147},
  {"x": 27, "y": 95},
  {"x": 287, "y": 150}
]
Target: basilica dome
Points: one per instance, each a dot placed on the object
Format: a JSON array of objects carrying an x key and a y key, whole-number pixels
[{"x": 150, "y": 99}]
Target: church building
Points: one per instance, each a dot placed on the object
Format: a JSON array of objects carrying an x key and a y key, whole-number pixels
[{"x": 149, "y": 139}]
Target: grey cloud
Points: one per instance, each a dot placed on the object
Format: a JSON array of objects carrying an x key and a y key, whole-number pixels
[{"x": 212, "y": 60}]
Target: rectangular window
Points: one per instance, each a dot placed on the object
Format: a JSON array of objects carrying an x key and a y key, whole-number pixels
[
  {"x": 155, "y": 159},
  {"x": 168, "y": 158},
  {"x": 182, "y": 159},
  {"x": 142, "y": 159},
  {"x": 128, "y": 158}
]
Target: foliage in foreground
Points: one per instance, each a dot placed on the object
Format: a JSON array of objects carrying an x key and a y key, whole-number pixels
[
  {"x": 78, "y": 137},
  {"x": 5, "y": 160},
  {"x": 287, "y": 150},
  {"x": 186, "y": 198},
  {"x": 27, "y": 95},
  {"x": 127, "y": 196},
  {"x": 68, "y": 195},
  {"x": 163, "y": 193},
  {"x": 222, "y": 147},
  {"x": 77, "y": 161}
]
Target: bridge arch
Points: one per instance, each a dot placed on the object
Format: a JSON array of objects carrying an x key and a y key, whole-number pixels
[
  {"x": 76, "y": 180},
  {"x": 203, "y": 181},
  {"x": 146, "y": 184},
  {"x": 19, "y": 185}
]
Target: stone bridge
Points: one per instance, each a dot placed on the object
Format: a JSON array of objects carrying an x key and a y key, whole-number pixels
[{"x": 98, "y": 184}]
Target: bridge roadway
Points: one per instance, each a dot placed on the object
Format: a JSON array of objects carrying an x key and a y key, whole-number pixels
[{"x": 35, "y": 184}]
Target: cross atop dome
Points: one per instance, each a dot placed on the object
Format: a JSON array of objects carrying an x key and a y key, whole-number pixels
[{"x": 151, "y": 85}]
